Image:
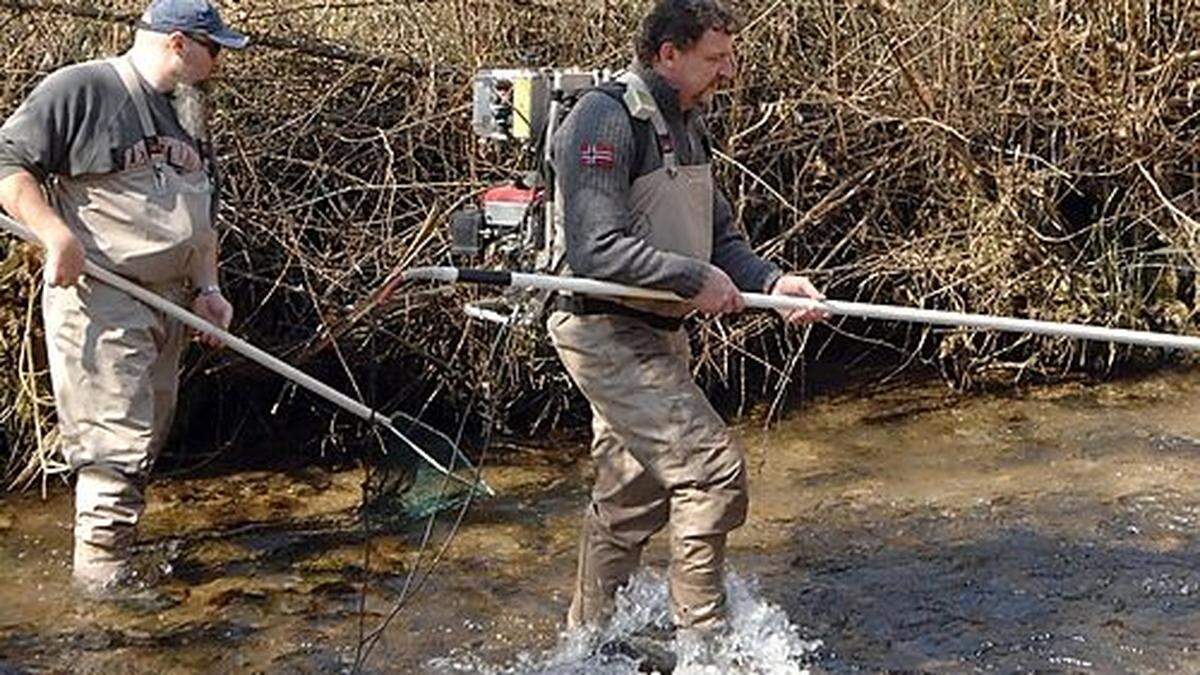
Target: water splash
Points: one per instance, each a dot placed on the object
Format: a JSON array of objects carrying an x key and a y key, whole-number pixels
[{"x": 760, "y": 639}]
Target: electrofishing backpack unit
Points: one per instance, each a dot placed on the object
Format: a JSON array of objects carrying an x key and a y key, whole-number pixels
[{"x": 512, "y": 227}]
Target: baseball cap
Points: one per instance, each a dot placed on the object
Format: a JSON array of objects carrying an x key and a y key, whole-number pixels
[{"x": 191, "y": 16}]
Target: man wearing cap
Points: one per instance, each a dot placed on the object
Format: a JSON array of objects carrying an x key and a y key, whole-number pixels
[
  {"x": 98, "y": 163},
  {"x": 638, "y": 206}
]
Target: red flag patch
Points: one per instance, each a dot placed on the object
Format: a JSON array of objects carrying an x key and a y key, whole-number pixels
[{"x": 599, "y": 155}]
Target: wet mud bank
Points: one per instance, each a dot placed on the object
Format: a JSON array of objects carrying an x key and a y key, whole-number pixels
[{"x": 1050, "y": 530}]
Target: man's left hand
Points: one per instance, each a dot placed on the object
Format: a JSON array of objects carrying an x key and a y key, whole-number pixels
[
  {"x": 215, "y": 309},
  {"x": 796, "y": 285}
]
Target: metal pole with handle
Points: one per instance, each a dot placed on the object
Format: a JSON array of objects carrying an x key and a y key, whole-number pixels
[
  {"x": 251, "y": 352},
  {"x": 836, "y": 307}
]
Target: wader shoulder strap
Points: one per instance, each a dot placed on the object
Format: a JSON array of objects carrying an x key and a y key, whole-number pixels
[
  {"x": 640, "y": 103},
  {"x": 129, "y": 78}
]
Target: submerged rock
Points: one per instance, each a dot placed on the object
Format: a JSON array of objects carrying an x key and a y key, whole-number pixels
[{"x": 1174, "y": 443}]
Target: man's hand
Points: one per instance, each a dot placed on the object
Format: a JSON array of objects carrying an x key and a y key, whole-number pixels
[
  {"x": 215, "y": 309},
  {"x": 22, "y": 197},
  {"x": 796, "y": 285},
  {"x": 64, "y": 257},
  {"x": 718, "y": 295}
]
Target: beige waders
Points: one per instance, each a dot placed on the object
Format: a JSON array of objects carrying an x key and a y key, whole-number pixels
[
  {"x": 114, "y": 361},
  {"x": 662, "y": 454}
]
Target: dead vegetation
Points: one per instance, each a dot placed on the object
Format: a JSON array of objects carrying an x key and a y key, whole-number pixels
[{"x": 1034, "y": 159}]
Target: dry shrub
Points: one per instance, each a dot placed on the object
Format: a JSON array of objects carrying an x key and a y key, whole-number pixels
[{"x": 1034, "y": 159}]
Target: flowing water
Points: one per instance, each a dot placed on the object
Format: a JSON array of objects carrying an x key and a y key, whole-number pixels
[{"x": 909, "y": 530}]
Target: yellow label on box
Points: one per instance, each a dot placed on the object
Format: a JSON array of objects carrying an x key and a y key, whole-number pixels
[{"x": 522, "y": 107}]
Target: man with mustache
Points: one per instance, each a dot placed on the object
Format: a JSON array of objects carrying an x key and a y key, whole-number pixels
[
  {"x": 637, "y": 205},
  {"x": 131, "y": 187}
]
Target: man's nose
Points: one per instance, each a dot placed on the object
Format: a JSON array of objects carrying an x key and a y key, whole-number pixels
[{"x": 728, "y": 67}]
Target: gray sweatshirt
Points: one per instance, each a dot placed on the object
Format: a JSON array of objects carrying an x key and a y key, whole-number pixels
[
  {"x": 597, "y": 218},
  {"x": 80, "y": 120}
]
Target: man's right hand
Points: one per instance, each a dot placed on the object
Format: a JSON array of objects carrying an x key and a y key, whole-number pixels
[
  {"x": 22, "y": 197},
  {"x": 718, "y": 295},
  {"x": 64, "y": 257}
]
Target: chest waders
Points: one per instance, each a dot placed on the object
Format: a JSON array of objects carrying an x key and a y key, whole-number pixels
[
  {"x": 113, "y": 360},
  {"x": 662, "y": 454}
]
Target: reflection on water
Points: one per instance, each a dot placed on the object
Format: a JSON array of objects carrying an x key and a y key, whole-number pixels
[{"x": 909, "y": 530}]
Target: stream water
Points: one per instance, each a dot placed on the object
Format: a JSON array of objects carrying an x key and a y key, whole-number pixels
[{"x": 909, "y": 530}]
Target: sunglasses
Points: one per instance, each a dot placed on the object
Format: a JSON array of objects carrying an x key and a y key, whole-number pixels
[{"x": 212, "y": 47}]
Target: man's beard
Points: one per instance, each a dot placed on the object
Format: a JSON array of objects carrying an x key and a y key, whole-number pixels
[
  {"x": 709, "y": 93},
  {"x": 191, "y": 108}
]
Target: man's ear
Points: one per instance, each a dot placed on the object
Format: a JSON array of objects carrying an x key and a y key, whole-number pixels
[{"x": 667, "y": 52}]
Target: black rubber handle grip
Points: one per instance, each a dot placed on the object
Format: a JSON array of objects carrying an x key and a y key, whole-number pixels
[{"x": 485, "y": 277}]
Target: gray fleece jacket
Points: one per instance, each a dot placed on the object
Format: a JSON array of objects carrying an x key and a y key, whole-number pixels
[{"x": 595, "y": 196}]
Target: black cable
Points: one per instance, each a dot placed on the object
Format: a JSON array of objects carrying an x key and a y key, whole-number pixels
[
  {"x": 413, "y": 585},
  {"x": 372, "y": 374}
]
